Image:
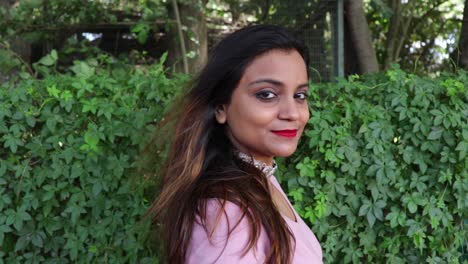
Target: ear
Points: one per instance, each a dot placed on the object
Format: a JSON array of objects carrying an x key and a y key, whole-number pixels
[{"x": 220, "y": 114}]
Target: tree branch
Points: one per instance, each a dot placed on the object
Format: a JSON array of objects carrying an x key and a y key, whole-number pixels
[{"x": 181, "y": 36}]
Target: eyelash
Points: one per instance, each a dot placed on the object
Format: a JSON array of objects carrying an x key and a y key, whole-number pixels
[
  {"x": 263, "y": 95},
  {"x": 304, "y": 94}
]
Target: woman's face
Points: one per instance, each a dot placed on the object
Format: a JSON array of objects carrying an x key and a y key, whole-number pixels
[{"x": 268, "y": 108}]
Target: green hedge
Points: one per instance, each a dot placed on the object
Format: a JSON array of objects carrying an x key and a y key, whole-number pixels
[
  {"x": 381, "y": 174},
  {"x": 69, "y": 143}
]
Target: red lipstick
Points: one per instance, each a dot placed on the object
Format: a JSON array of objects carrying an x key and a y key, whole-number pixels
[{"x": 289, "y": 133}]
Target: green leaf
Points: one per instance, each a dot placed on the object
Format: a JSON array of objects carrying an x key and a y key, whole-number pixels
[
  {"x": 465, "y": 134},
  {"x": 436, "y": 133},
  {"x": 364, "y": 209},
  {"x": 48, "y": 196},
  {"x": 49, "y": 59},
  {"x": 142, "y": 31},
  {"x": 83, "y": 70},
  {"x": 3, "y": 169},
  {"x": 12, "y": 143},
  {"x": 92, "y": 139},
  {"x": 370, "y": 218},
  {"x": 51, "y": 123},
  {"x": 393, "y": 217},
  {"x": 37, "y": 240},
  {"x": 412, "y": 207},
  {"x": 297, "y": 194},
  {"x": 93, "y": 249},
  {"x": 31, "y": 121},
  {"x": 54, "y": 55},
  {"x": 4, "y": 229},
  {"x": 378, "y": 212},
  {"x": 19, "y": 218},
  {"x": 97, "y": 187},
  {"x": 462, "y": 147},
  {"x": 53, "y": 91},
  {"x": 21, "y": 243},
  {"x": 90, "y": 105}
]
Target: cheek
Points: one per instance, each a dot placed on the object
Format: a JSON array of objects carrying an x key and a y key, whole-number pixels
[
  {"x": 305, "y": 115},
  {"x": 251, "y": 119}
]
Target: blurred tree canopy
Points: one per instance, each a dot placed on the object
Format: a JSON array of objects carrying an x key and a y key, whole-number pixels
[
  {"x": 415, "y": 34},
  {"x": 419, "y": 35},
  {"x": 45, "y": 25}
]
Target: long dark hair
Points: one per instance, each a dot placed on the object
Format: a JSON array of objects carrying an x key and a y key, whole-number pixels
[{"x": 201, "y": 165}]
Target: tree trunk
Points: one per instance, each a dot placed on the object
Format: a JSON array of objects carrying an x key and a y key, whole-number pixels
[
  {"x": 462, "y": 60},
  {"x": 351, "y": 65},
  {"x": 361, "y": 37},
  {"x": 392, "y": 34},
  {"x": 17, "y": 44},
  {"x": 397, "y": 32},
  {"x": 195, "y": 37}
]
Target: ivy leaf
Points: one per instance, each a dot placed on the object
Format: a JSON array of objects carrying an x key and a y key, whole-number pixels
[
  {"x": 370, "y": 218},
  {"x": 12, "y": 143},
  {"x": 92, "y": 139},
  {"x": 297, "y": 194},
  {"x": 365, "y": 208},
  {"x": 307, "y": 168},
  {"x": 93, "y": 249},
  {"x": 393, "y": 217},
  {"x": 462, "y": 147},
  {"x": 436, "y": 133},
  {"x": 31, "y": 121},
  {"x": 141, "y": 30},
  {"x": 20, "y": 217},
  {"x": 4, "y": 229},
  {"x": 465, "y": 134},
  {"x": 408, "y": 155},
  {"x": 37, "y": 239},
  {"x": 50, "y": 59},
  {"x": 22, "y": 242},
  {"x": 53, "y": 91},
  {"x": 97, "y": 187},
  {"x": 422, "y": 164},
  {"x": 412, "y": 207},
  {"x": 51, "y": 123},
  {"x": 90, "y": 105},
  {"x": 83, "y": 70}
]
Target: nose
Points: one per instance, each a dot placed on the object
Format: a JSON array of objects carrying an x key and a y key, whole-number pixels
[{"x": 289, "y": 109}]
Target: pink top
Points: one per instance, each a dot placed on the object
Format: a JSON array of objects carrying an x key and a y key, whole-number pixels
[{"x": 205, "y": 249}]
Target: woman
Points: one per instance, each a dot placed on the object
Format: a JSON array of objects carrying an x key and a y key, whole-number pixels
[{"x": 220, "y": 202}]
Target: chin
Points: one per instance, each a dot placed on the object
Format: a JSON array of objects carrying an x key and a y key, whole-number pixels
[{"x": 285, "y": 152}]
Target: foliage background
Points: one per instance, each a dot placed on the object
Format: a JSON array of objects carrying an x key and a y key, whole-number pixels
[
  {"x": 69, "y": 144},
  {"x": 380, "y": 175}
]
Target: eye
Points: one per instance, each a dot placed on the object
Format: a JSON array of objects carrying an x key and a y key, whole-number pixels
[
  {"x": 265, "y": 95},
  {"x": 301, "y": 96}
]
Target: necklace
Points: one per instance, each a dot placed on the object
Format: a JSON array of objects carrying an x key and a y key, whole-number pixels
[{"x": 262, "y": 166}]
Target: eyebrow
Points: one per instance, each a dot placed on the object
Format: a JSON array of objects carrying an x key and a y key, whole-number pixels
[{"x": 275, "y": 82}]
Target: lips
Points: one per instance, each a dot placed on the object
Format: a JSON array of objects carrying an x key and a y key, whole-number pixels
[{"x": 289, "y": 133}]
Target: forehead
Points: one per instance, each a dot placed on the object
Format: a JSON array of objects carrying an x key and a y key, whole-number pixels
[{"x": 278, "y": 64}]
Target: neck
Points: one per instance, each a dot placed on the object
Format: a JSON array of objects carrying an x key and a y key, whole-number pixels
[
  {"x": 267, "y": 169},
  {"x": 268, "y": 160}
]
